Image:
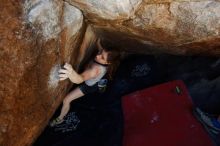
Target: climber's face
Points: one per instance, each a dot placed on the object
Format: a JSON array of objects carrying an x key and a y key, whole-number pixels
[{"x": 102, "y": 57}]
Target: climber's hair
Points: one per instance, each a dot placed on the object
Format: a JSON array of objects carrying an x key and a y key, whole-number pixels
[{"x": 114, "y": 54}]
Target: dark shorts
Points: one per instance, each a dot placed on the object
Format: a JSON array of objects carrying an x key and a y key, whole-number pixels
[
  {"x": 100, "y": 87},
  {"x": 88, "y": 89}
]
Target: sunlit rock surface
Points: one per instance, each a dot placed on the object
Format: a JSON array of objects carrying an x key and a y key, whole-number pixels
[
  {"x": 107, "y": 9},
  {"x": 32, "y": 48},
  {"x": 178, "y": 26}
]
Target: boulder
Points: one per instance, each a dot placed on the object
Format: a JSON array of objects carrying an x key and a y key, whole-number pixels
[
  {"x": 182, "y": 27},
  {"x": 32, "y": 49}
]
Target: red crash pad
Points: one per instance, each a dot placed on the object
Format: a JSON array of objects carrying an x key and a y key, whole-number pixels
[{"x": 162, "y": 116}]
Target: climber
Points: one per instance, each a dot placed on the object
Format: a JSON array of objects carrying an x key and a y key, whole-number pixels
[{"x": 91, "y": 79}]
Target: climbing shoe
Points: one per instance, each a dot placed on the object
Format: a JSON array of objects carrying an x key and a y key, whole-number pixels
[{"x": 55, "y": 122}]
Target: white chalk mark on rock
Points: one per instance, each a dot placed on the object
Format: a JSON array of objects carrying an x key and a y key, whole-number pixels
[
  {"x": 53, "y": 77},
  {"x": 46, "y": 14}
]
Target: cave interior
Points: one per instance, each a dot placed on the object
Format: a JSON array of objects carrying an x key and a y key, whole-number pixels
[{"x": 199, "y": 73}]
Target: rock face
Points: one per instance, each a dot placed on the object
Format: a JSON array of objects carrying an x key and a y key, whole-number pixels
[
  {"x": 36, "y": 37},
  {"x": 176, "y": 26}
]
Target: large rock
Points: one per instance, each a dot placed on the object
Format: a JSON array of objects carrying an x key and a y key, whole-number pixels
[
  {"x": 36, "y": 38},
  {"x": 172, "y": 26}
]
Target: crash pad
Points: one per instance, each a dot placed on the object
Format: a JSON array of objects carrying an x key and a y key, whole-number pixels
[{"x": 162, "y": 116}]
